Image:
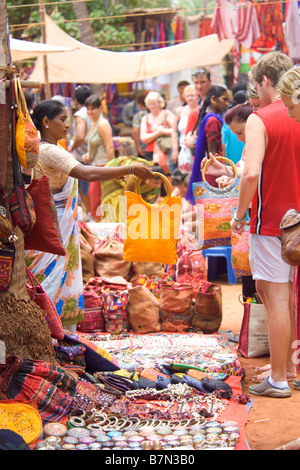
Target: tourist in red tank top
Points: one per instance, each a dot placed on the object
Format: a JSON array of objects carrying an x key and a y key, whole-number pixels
[{"x": 270, "y": 181}]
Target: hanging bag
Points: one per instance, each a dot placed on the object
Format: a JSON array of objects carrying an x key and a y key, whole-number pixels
[
  {"x": 214, "y": 207},
  {"x": 240, "y": 251},
  {"x": 164, "y": 141},
  {"x": 45, "y": 235},
  {"x": 7, "y": 236},
  {"x": 20, "y": 202},
  {"x": 290, "y": 238},
  {"x": 27, "y": 139},
  {"x": 41, "y": 298},
  {"x": 152, "y": 229}
]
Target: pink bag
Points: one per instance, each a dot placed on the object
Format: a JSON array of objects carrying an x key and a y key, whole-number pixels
[{"x": 40, "y": 297}]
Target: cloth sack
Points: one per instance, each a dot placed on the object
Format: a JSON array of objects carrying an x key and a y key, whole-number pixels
[
  {"x": 176, "y": 307},
  {"x": 290, "y": 238},
  {"x": 152, "y": 229},
  {"x": 45, "y": 235},
  {"x": 109, "y": 261},
  {"x": 214, "y": 206},
  {"x": 27, "y": 139},
  {"x": 253, "y": 338},
  {"x": 185, "y": 160},
  {"x": 40, "y": 297},
  {"x": 207, "y": 316},
  {"x": 143, "y": 310}
]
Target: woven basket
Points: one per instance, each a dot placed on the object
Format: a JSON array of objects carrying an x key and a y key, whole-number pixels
[{"x": 22, "y": 419}]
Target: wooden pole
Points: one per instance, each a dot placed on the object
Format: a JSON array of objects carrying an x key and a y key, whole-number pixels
[{"x": 45, "y": 60}]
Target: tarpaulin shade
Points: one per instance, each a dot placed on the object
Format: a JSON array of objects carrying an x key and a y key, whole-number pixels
[
  {"x": 86, "y": 64},
  {"x": 22, "y": 50}
]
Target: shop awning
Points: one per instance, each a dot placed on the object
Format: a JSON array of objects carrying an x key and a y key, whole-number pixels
[{"x": 86, "y": 64}]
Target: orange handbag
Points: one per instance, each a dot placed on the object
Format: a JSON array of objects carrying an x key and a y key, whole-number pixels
[
  {"x": 27, "y": 138},
  {"x": 152, "y": 230}
]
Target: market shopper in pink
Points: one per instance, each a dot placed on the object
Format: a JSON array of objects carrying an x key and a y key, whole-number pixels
[{"x": 270, "y": 180}]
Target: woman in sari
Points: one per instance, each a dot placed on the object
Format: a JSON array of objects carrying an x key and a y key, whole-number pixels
[{"x": 61, "y": 276}]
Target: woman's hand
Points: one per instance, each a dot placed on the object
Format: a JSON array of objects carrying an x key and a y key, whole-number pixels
[
  {"x": 215, "y": 168},
  {"x": 86, "y": 158},
  {"x": 224, "y": 181},
  {"x": 142, "y": 171},
  {"x": 190, "y": 140}
]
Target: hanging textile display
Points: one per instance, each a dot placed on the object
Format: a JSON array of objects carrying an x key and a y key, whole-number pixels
[
  {"x": 238, "y": 20},
  {"x": 270, "y": 21}
]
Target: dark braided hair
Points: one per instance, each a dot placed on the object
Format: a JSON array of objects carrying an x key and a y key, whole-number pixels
[{"x": 216, "y": 91}]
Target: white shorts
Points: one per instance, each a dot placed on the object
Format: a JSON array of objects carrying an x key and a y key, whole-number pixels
[{"x": 265, "y": 260}]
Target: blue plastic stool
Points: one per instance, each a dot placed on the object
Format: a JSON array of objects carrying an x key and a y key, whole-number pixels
[{"x": 216, "y": 252}]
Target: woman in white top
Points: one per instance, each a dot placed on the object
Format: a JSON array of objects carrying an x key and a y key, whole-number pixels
[{"x": 100, "y": 148}]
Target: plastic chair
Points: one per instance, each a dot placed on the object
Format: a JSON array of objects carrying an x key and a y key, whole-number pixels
[{"x": 216, "y": 252}]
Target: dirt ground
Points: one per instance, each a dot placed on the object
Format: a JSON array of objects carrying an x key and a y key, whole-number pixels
[{"x": 272, "y": 422}]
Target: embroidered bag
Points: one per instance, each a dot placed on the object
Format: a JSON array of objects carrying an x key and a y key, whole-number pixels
[
  {"x": 240, "y": 253},
  {"x": 27, "y": 139},
  {"x": 214, "y": 206},
  {"x": 7, "y": 259},
  {"x": 41, "y": 298},
  {"x": 152, "y": 229},
  {"x": 45, "y": 235},
  {"x": 93, "y": 316}
]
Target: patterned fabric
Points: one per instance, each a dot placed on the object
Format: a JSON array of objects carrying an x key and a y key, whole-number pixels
[
  {"x": 215, "y": 212},
  {"x": 51, "y": 387},
  {"x": 61, "y": 276}
]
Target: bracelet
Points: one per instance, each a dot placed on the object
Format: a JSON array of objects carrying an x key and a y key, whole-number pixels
[{"x": 239, "y": 220}]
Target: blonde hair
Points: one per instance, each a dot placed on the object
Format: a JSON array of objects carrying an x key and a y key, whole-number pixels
[
  {"x": 271, "y": 65},
  {"x": 289, "y": 83},
  {"x": 189, "y": 88},
  {"x": 154, "y": 96},
  {"x": 251, "y": 90}
]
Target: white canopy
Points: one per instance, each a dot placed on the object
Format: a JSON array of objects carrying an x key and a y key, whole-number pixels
[
  {"x": 22, "y": 50},
  {"x": 86, "y": 64}
]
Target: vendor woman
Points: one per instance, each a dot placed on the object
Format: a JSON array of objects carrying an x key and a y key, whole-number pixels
[{"x": 61, "y": 276}]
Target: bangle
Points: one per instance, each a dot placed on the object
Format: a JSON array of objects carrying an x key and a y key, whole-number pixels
[
  {"x": 128, "y": 169},
  {"x": 132, "y": 169},
  {"x": 239, "y": 220}
]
